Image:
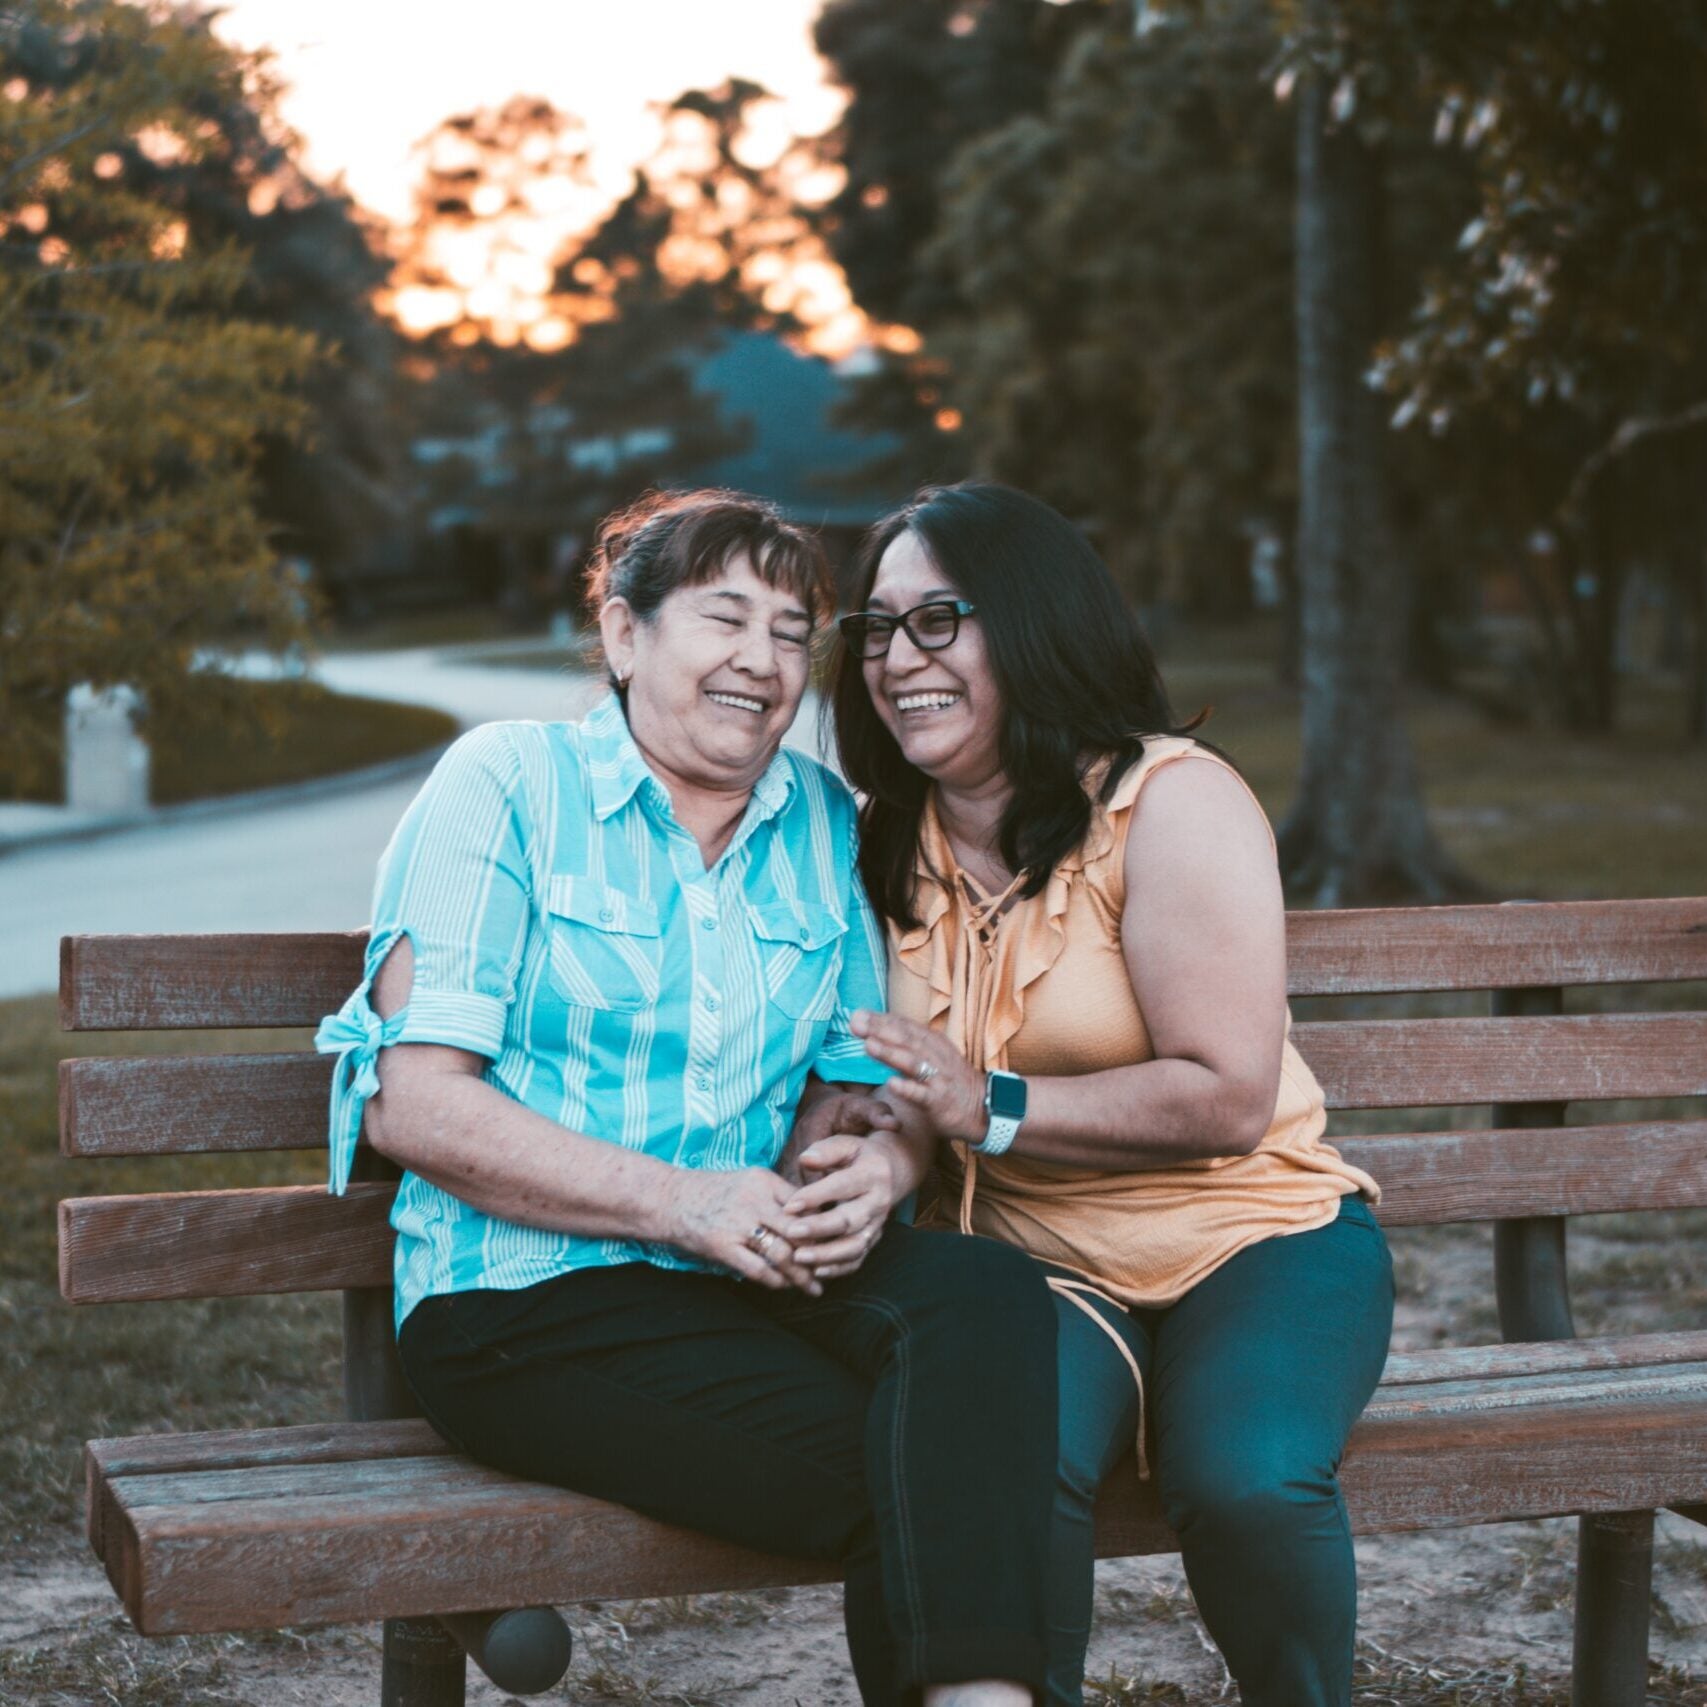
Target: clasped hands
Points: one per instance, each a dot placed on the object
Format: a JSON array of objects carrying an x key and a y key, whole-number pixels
[
  {"x": 854, "y": 1175},
  {"x": 818, "y": 1214}
]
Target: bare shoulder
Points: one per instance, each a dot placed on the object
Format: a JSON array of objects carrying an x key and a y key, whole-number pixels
[
  {"x": 1196, "y": 813},
  {"x": 1204, "y": 917}
]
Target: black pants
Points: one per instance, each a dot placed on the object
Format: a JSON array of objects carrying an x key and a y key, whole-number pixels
[{"x": 904, "y": 1424}]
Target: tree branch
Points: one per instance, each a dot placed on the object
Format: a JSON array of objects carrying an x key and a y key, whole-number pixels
[{"x": 1630, "y": 433}]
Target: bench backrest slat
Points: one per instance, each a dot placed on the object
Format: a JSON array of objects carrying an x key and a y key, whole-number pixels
[
  {"x": 174, "y": 983},
  {"x": 1437, "y": 1063},
  {"x": 223, "y": 1244},
  {"x": 1500, "y": 1174},
  {"x": 1379, "y": 950},
  {"x": 298, "y": 1239},
  {"x": 159, "y": 1105},
  {"x": 130, "y": 983}
]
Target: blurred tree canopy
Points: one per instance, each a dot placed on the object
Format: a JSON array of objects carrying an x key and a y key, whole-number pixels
[
  {"x": 135, "y": 395},
  {"x": 586, "y": 366},
  {"x": 1093, "y": 218},
  {"x": 338, "y": 493},
  {"x": 1570, "y": 318},
  {"x": 1149, "y": 398},
  {"x": 925, "y": 79}
]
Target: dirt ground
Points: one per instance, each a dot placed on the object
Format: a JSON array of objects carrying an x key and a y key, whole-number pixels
[{"x": 1468, "y": 1616}]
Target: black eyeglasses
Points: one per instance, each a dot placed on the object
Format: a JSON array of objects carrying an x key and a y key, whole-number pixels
[{"x": 930, "y": 627}]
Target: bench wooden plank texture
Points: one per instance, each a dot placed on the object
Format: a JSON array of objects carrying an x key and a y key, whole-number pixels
[
  {"x": 141, "y": 983},
  {"x": 162, "y": 1105},
  {"x": 224, "y": 1244},
  {"x": 362, "y": 1520}
]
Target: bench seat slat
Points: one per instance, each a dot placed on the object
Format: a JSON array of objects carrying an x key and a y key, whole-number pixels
[
  {"x": 398, "y": 1537},
  {"x": 158, "y": 1105},
  {"x": 128, "y": 983},
  {"x": 1541, "y": 1357},
  {"x": 104, "y": 1461},
  {"x": 306, "y": 1443},
  {"x": 1578, "y": 1386}
]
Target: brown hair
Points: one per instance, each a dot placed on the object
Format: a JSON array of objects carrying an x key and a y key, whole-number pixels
[{"x": 668, "y": 540}]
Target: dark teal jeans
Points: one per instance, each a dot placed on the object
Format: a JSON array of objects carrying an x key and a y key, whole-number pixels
[{"x": 1254, "y": 1379}]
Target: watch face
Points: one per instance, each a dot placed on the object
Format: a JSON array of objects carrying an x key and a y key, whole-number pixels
[{"x": 1007, "y": 1096}]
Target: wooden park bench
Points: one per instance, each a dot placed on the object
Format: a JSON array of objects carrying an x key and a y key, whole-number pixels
[{"x": 376, "y": 1518}]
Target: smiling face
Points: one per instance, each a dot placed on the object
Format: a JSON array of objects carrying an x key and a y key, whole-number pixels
[
  {"x": 714, "y": 676},
  {"x": 943, "y": 708}
]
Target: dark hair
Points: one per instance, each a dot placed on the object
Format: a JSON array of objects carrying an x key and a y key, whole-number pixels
[
  {"x": 667, "y": 540},
  {"x": 1077, "y": 679}
]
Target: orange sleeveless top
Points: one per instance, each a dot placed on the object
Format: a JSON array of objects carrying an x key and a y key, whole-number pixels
[{"x": 1043, "y": 989}]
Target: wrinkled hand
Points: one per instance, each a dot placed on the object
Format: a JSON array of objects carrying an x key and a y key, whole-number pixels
[
  {"x": 853, "y": 1185},
  {"x": 950, "y": 1096},
  {"x": 826, "y": 1115},
  {"x": 715, "y": 1215}
]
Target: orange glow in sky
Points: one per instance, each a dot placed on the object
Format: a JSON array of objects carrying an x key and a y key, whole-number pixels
[{"x": 368, "y": 80}]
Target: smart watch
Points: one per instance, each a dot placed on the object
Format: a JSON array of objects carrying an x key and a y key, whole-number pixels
[{"x": 1004, "y": 1103}]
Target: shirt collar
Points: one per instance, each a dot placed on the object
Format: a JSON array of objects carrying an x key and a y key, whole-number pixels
[{"x": 617, "y": 770}]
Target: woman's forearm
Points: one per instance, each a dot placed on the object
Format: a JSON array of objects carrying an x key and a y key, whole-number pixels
[
  {"x": 1156, "y": 1114},
  {"x": 469, "y": 1139}
]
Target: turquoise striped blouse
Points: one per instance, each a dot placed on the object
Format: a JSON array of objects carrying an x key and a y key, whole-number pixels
[{"x": 565, "y": 927}]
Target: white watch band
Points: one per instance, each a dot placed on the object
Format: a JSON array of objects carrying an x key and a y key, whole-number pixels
[{"x": 1000, "y": 1136}]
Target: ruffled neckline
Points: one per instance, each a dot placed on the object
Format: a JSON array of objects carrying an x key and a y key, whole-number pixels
[{"x": 1029, "y": 937}]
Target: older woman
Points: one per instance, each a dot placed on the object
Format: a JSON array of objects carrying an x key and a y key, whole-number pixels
[
  {"x": 610, "y": 960},
  {"x": 1088, "y": 1001}
]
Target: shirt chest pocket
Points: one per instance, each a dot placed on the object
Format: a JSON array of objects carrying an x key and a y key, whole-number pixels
[
  {"x": 606, "y": 949},
  {"x": 800, "y": 955}
]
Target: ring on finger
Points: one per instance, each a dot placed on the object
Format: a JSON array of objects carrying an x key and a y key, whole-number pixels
[
  {"x": 924, "y": 1072},
  {"x": 756, "y": 1240}
]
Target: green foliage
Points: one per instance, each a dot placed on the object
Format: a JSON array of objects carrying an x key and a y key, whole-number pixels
[
  {"x": 1120, "y": 265},
  {"x": 924, "y": 77},
  {"x": 1560, "y": 338},
  {"x": 133, "y": 398},
  {"x": 337, "y": 494},
  {"x": 1582, "y": 277}
]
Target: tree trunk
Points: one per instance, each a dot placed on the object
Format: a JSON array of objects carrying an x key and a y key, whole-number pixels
[
  {"x": 1357, "y": 832},
  {"x": 1695, "y": 714}
]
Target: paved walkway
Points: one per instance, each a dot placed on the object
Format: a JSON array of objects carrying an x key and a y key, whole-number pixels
[{"x": 303, "y": 861}]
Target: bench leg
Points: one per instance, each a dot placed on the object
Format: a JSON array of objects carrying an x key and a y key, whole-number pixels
[
  {"x": 424, "y": 1665},
  {"x": 1615, "y": 1560}
]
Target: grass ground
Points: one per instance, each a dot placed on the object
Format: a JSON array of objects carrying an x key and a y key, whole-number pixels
[
  {"x": 1530, "y": 813},
  {"x": 292, "y": 731}
]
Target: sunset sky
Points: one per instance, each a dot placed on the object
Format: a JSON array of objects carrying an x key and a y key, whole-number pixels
[{"x": 369, "y": 78}]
